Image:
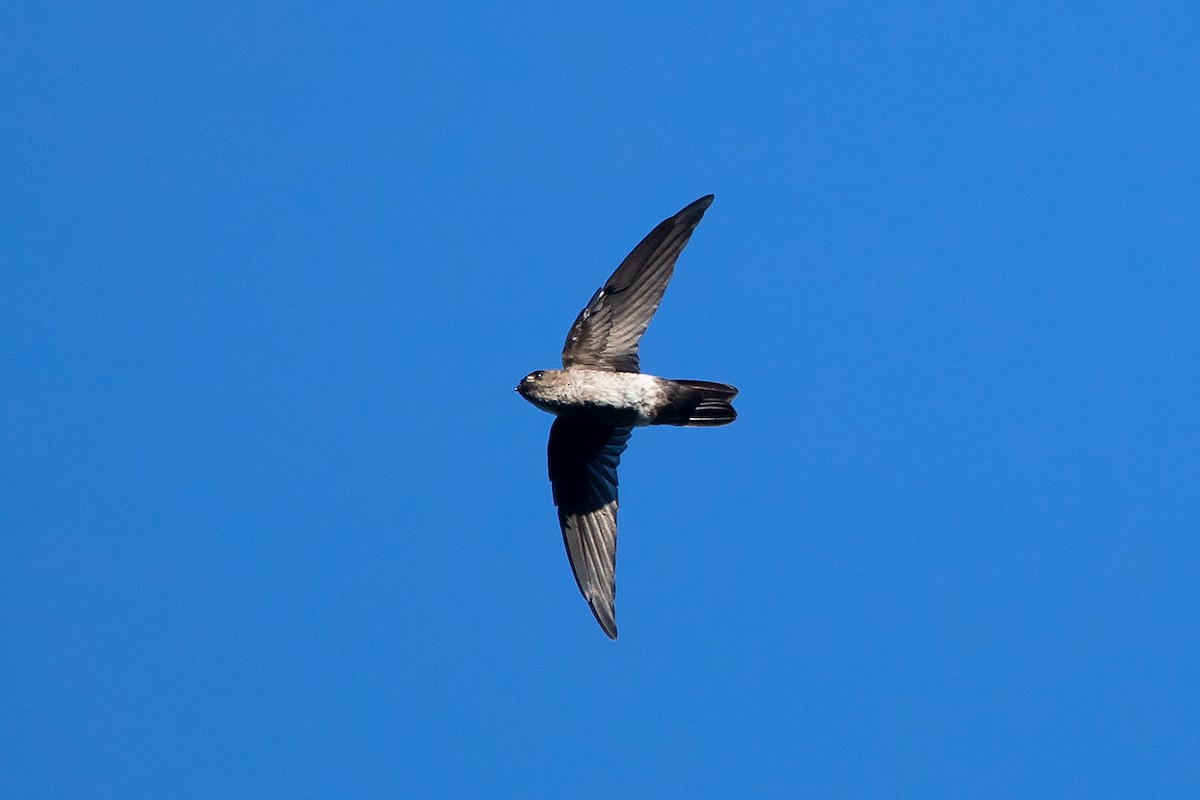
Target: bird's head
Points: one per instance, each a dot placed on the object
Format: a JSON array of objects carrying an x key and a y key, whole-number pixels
[
  {"x": 544, "y": 388},
  {"x": 531, "y": 383}
]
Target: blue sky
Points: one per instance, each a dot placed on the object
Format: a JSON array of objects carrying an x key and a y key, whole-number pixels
[{"x": 276, "y": 525}]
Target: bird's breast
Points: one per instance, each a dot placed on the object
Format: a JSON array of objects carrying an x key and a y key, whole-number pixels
[{"x": 626, "y": 398}]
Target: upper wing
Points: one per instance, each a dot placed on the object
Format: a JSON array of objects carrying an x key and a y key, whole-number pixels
[
  {"x": 606, "y": 333},
  {"x": 583, "y": 461}
]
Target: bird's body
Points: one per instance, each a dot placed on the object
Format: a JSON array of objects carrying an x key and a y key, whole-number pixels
[
  {"x": 619, "y": 398},
  {"x": 600, "y": 396}
]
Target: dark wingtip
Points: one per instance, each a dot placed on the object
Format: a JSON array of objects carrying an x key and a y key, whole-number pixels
[
  {"x": 696, "y": 208},
  {"x": 606, "y": 618}
]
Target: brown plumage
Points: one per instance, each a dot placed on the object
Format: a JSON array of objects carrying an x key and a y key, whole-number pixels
[{"x": 600, "y": 396}]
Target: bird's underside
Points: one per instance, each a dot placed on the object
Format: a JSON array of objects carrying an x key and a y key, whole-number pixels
[{"x": 599, "y": 397}]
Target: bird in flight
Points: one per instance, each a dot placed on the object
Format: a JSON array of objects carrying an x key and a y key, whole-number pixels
[{"x": 600, "y": 396}]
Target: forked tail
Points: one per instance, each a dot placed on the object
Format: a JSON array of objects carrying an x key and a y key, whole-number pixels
[{"x": 697, "y": 404}]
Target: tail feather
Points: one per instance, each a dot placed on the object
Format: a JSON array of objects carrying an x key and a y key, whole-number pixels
[{"x": 697, "y": 404}]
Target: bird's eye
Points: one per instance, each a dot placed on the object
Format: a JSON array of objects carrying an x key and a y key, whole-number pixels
[{"x": 537, "y": 375}]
